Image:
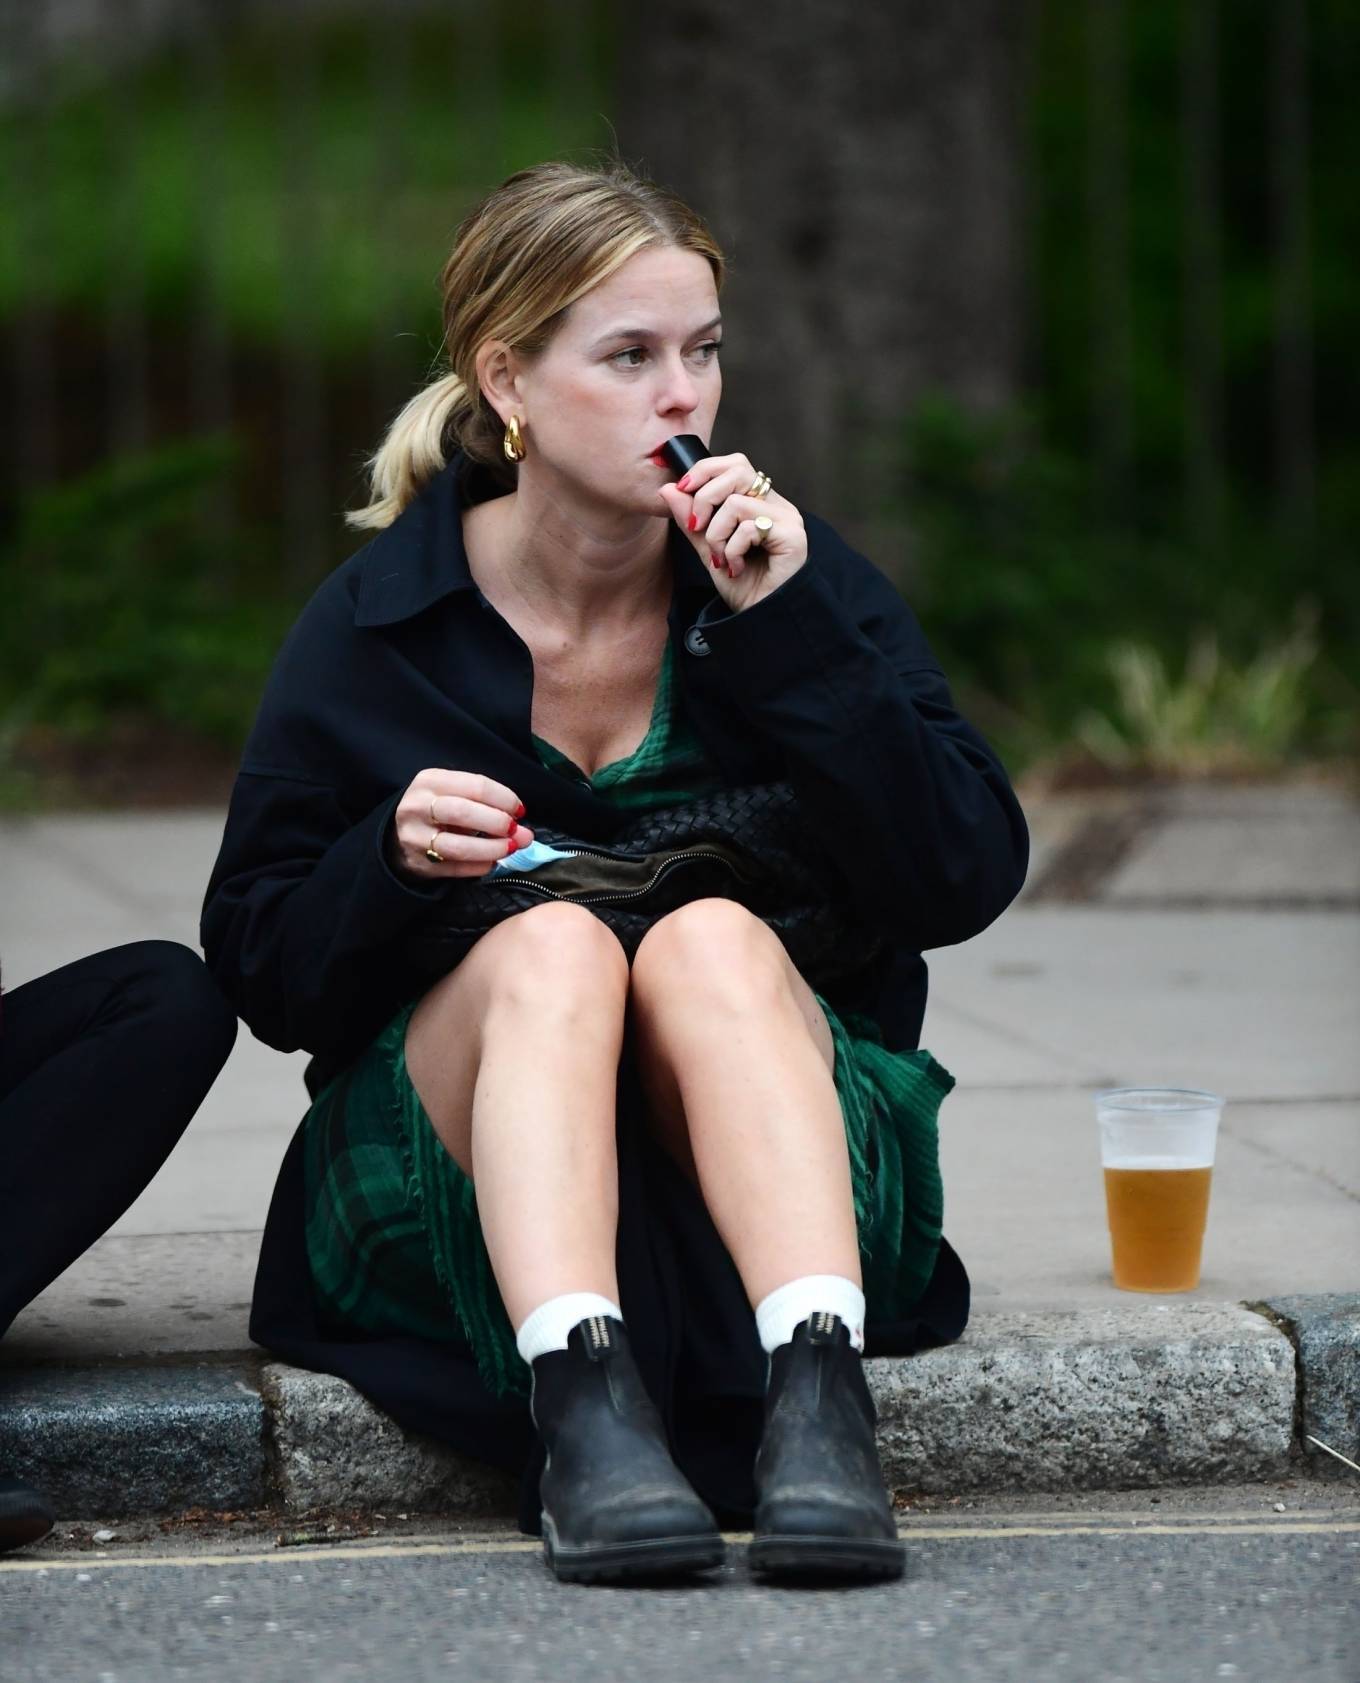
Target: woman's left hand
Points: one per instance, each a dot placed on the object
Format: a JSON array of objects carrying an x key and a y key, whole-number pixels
[{"x": 710, "y": 505}]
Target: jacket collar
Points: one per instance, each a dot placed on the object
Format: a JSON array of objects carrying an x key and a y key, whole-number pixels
[{"x": 419, "y": 559}]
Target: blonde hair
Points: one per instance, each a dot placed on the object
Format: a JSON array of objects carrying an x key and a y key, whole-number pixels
[{"x": 520, "y": 258}]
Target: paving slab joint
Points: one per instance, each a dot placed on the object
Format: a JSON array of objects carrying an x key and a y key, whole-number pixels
[
  {"x": 1286, "y": 1327},
  {"x": 1323, "y": 1329},
  {"x": 274, "y": 1474}
]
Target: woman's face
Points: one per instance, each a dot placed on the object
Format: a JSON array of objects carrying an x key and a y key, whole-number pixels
[{"x": 633, "y": 361}]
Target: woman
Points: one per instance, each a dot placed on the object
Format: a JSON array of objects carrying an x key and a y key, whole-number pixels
[
  {"x": 696, "y": 1146},
  {"x": 102, "y": 1064}
]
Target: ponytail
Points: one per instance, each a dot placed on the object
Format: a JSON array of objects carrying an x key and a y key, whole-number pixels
[{"x": 414, "y": 450}]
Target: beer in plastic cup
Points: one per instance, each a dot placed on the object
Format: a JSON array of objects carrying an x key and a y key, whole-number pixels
[{"x": 1157, "y": 1151}]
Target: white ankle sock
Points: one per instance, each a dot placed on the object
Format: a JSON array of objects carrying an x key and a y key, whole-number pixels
[
  {"x": 548, "y": 1326},
  {"x": 778, "y": 1314}
]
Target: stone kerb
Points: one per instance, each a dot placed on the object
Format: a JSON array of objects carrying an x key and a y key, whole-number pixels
[
  {"x": 1082, "y": 1399},
  {"x": 1090, "y": 1399},
  {"x": 330, "y": 1447},
  {"x": 1325, "y": 1328}
]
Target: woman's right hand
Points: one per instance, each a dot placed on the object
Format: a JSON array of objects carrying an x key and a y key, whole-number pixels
[{"x": 471, "y": 820}]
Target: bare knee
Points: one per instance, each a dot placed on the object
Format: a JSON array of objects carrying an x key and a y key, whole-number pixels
[
  {"x": 560, "y": 960},
  {"x": 555, "y": 960},
  {"x": 717, "y": 952},
  {"x": 716, "y": 948}
]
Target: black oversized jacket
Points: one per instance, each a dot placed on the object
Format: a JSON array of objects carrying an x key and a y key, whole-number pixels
[{"x": 399, "y": 663}]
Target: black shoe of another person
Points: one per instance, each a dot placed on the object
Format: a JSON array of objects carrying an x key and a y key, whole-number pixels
[
  {"x": 615, "y": 1506},
  {"x": 822, "y": 1510},
  {"x": 24, "y": 1515}
]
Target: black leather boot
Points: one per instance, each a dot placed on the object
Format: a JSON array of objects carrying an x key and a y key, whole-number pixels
[
  {"x": 24, "y": 1515},
  {"x": 615, "y": 1506},
  {"x": 822, "y": 1510}
]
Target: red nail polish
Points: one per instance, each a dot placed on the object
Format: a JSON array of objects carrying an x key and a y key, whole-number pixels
[
  {"x": 715, "y": 562},
  {"x": 519, "y": 810},
  {"x": 683, "y": 484},
  {"x": 694, "y": 522}
]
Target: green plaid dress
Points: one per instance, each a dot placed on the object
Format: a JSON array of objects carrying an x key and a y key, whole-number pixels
[{"x": 392, "y": 1232}]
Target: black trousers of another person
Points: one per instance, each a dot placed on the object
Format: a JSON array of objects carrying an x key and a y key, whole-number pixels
[{"x": 102, "y": 1065}]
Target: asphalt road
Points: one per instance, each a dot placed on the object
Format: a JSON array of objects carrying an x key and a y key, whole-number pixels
[{"x": 1222, "y": 1590}]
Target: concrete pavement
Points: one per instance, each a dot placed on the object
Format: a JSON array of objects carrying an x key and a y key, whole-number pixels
[{"x": 1203, "y": 937}]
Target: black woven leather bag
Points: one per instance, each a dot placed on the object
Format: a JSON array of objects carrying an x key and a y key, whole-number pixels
[{"x": 747, "y": 844}]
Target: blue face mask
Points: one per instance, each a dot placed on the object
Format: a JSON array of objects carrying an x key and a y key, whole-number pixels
[{"x": 529, "y": 858}]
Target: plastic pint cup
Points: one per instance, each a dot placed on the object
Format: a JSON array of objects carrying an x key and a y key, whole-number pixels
[{"x": 1157, "y": 1152}]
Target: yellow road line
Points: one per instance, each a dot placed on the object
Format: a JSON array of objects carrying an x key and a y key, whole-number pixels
[
  {"x": 278, "y": 1556},
  {"x": 1161, "y": 1529},
  {"x": 532, "y": 1545}
]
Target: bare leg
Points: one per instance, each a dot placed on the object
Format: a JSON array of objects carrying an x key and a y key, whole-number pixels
[
  {"x": 515, "y": 1057},
  {"x": 736, "y": 1059}
]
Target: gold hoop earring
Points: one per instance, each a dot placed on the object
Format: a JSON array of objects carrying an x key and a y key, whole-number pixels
[{"x": 513, "y": 442}]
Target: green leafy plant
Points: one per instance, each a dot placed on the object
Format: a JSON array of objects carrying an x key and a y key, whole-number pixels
[
  {"x": 1215, "y": 717},
  {"x": 1058, "y": 622},
  {"x": 123, "y": 602}
]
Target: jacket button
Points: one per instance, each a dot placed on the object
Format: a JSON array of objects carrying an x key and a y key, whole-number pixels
[{"x": 696, "y": 642}]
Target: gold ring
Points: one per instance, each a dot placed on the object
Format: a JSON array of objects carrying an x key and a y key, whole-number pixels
[
  {"x": 433, "y": 853},
  {"x": 760, "y": 485},
  {"x": 433, "y": 819},
  {"x": 763, "y": 524}
]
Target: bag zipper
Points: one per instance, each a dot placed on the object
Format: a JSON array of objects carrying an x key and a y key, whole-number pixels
[{"x": 527, "y": 881}]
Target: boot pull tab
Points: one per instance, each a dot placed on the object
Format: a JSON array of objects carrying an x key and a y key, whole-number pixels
[
  {"x": 822, "y": 1327},
  {"x": 599, "y": 1337}
]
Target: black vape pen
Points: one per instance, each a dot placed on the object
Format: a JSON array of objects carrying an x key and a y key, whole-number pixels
[{"x": 682, "y": 451}]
